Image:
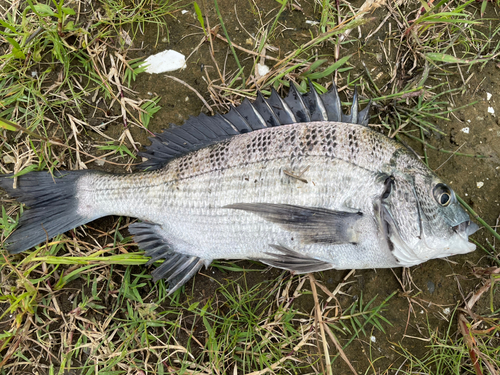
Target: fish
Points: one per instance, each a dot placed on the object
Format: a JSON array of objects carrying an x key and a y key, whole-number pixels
[{"x": 292, "y": 182}]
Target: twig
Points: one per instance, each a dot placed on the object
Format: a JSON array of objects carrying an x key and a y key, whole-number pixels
[
  {"x": 72, "y": 121},
  {"x": 446, "y": 161},
  {"x": 319, "y": 320},
  {"x": 194, "y": 90},
  {"x": 340, "y": 350}
]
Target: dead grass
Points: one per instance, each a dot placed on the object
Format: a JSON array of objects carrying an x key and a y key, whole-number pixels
[{"x": 82, "y": 303}]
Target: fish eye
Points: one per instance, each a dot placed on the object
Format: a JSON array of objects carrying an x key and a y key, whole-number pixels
[{"x": 442, "y": 194}]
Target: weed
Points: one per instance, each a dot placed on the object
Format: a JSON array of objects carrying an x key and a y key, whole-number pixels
[{"x": 83, "y": 302}]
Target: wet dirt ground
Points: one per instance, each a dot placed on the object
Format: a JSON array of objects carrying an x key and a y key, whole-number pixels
[{"x": 473, "y": 129}]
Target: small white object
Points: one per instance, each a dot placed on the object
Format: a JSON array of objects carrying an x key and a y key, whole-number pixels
[
  {"x": 491, "y": 110},
  {"x": 7, "y": 159},
  {"x": 488, "y": 96},
  {"x": 446, "y": 311},
  {"x": 34, "y": 73},
  {"x": 262, "y": 69},
  {"x": 312, "y": 23},
  {"x": 184, "y": 11},
  {"x": 373, "y": 339},
  {"x": 186, "y": 99},
  {"x": 468, "y": 121},
  {"x": 480, "y": 184},
  {"x": 465, "y": 130},
  {"x": 166, "y": 61}
]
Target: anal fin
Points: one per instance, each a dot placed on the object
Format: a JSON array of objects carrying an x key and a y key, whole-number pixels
[
  {"x": 294, "y": 261},
  {"x": 177, "y": 268}
]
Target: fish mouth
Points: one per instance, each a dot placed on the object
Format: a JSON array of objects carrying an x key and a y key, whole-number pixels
[{"x": 466, "y": 227}]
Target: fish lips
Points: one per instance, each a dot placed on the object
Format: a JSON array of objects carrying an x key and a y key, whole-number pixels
[
  {"x": 464, "y": 230},
  {"x": 467, "y": 227}
]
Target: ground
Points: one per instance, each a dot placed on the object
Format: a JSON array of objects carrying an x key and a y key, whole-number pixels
[{"x": 86, "y": 304}]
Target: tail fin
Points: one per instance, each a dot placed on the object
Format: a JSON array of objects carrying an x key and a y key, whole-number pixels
[{"x": 52, "y": 206}]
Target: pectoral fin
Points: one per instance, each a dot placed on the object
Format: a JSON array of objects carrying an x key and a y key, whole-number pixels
[
  {"x": 313, "y": 224},
  {"x": 293, "y": 261}
]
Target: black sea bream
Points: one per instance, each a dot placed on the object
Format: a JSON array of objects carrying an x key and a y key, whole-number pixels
[{"x": 293, "y": 183}]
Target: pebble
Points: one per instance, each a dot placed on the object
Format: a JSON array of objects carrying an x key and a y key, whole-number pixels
[
  {"x": 431, "y": 286},
  {"x": 262, "y": 69},
  {"x": 165, "y": 61}
]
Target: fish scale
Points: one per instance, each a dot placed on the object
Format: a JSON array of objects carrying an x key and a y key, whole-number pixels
[{"x": 292, "y": 182}]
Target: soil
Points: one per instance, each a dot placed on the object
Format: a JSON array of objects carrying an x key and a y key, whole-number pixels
[{"x": 472, "y": 129}]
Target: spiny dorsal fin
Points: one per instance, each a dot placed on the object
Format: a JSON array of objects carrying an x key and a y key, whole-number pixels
[{"x": 201, "y": 131}]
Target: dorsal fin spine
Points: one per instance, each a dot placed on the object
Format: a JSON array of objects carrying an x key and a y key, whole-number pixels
[
  {"x": 222, "y": 118},
  {"x": 247, "y": 111},
  {"x": 276, "y": 103},
  {"x": 364, "y": 114},
  {"x": 354, "y": 107},
  {"x": 296, "y": 103}
]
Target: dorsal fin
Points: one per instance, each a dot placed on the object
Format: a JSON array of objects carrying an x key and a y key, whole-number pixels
[{"x": 201, "y": 131}]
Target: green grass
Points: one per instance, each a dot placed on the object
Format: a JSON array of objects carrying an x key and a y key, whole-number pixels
[
  {"x": 84, "y": 301},
  {"x": 476, "y": 352}
]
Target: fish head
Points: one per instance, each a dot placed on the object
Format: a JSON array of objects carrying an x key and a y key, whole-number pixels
[{"x": 425, "y": 220}]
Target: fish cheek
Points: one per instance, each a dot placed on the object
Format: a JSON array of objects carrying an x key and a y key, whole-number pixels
[{"x": 403, "y": 208}]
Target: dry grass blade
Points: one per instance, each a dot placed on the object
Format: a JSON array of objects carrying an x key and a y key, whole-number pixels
[
  {"x": 319, "y": 323},
  {"x": 193, "y": 90},
  {"x": 83, "y": 302}
]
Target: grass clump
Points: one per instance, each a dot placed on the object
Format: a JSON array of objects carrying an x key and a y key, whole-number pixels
[
  {"x": 81, "y": 300},
  {"x": 474, "y": 347}
]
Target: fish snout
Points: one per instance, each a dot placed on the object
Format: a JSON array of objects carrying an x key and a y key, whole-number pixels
[{"x": 468, "y": 227}]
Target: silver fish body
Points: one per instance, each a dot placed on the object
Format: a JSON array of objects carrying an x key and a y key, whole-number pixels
[{"x": 305, "y": 196}]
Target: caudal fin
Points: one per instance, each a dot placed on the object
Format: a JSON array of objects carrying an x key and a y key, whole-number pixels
[{"x": 52, "y": 207}]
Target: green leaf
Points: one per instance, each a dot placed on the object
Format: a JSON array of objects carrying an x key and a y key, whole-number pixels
[
  {"x": 8, "y": 26},
  {"x": 121, "y": 149},
  {"x": 18, "y": 54},
  {"x": 443, "y": 57},
  {"x": 28, "y": 169},
  {"x": 13, "y": 42},
  {"x": 316, "y": 64},
  {"x": 199, "y": 15},
  {"x": 328, "y": 71},
  {"x": 134, "y": 68},
  {"x": 68, "y": 11},
  {"x": 150, "y": 107},
  {"x": 43, "y": 10},
  {"x": 193, "y": 306},
  {"x": 6, "y": 124}
]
